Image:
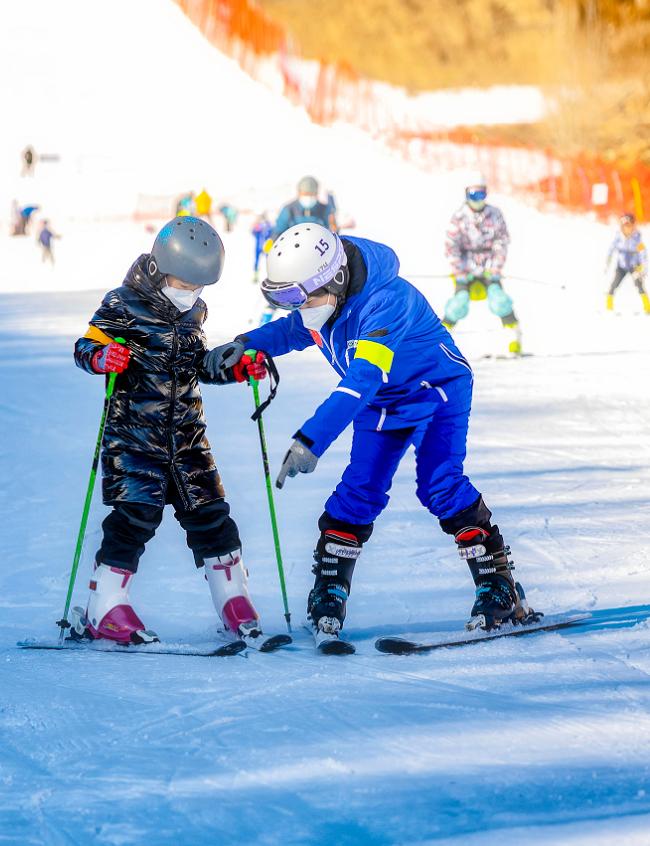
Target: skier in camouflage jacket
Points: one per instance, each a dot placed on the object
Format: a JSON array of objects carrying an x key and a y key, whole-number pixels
[{"x": 477, "y": 246}]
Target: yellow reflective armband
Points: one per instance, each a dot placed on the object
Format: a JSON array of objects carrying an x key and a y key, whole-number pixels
[
  {"x": 95, "y": 334},
  {"x": 377, "y": 354}
]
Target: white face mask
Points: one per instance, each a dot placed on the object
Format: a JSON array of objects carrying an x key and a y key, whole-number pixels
[
  {"x": 307, "y": 201},
  {"x": 182, "y": 298},
  {"x": 316, "y": 317}
]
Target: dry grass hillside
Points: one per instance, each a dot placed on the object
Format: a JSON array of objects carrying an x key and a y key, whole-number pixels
[{"x": 592, "y": 55}]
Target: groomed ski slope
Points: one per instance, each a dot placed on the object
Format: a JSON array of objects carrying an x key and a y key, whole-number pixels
[{"x": 543, "y": 739}]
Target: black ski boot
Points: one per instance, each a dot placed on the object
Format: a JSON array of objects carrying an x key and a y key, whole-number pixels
[
  {"x": 497, "y": 597},
  {"x": 334, "y": 557}
]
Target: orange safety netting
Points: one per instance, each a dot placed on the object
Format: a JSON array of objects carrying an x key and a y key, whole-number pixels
[{"x": 331, "y": 93}]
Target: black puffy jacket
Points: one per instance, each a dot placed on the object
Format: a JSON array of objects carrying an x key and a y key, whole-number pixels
[{"x": 155, "y": 430}]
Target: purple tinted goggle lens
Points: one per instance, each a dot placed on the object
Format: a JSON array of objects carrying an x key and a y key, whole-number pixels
[
  {"x": 477, "y": 195},
  {"x": 290, "y": 297}
]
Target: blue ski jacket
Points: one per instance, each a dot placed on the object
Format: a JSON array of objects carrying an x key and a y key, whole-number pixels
[
  {"x": 294, "y": 213},
  {"x": 396, "y": 360}
]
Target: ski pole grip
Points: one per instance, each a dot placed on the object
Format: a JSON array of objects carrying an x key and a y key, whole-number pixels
[
  {"x": 252, "y": 381},
  {"x": 274, "y": 380},
  {"x": 113, "y": 376}
]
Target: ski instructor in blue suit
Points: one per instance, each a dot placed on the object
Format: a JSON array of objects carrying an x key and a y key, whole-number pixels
[{"x": 403, "y": 382}]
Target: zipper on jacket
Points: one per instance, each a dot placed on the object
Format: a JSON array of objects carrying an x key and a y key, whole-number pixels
[
  {"x": 336, "y": 361},
  {"x": 170, "y": 433},
  {"x": 330, "y": 350}
]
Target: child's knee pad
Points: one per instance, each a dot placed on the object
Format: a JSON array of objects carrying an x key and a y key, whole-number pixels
[
  {"x": 500, "y": 303},
  {"x": 457, "y": 307}
]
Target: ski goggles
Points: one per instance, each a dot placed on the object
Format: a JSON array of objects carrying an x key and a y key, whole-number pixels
[
  {"x": 289, "y": 297},
  {"x": 476, "y": 195},
  {"x": 292, "y": 295}
]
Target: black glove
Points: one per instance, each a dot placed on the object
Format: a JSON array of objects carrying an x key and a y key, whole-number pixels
[
  {"x": 299, "y": 459},
  {"x": 217, "y": 362}
]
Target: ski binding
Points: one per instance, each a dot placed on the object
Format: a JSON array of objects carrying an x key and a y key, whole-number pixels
[
  {"x": 254, "y": 638},
  {"x": 327, "y": 640}
]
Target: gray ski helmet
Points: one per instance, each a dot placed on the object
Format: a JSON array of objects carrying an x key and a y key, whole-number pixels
[
  {"x": 308, "y": 185},
  {"x": 188, "y": 248}
]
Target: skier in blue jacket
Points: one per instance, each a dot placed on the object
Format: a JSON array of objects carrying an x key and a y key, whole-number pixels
[
  {"x": 402, "y": 382},
  {"x": 306, "y": 208}
]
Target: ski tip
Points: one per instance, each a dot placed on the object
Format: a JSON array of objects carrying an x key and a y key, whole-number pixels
[
  {"x": 395, "y": 646},
  {"x": 275, "y": 642},
  {"x": 336, "y": 647},
  {"x": 35, "y": 644},
  {"x": 228, "y": 649}
]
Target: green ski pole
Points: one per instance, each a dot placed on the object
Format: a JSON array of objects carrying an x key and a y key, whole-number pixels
[
  {"x": 63, "y": 622},
  {"x": 269, "y": 492}
]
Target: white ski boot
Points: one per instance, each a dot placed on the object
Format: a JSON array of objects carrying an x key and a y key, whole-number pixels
[
  {"x": 228, "y": 581},
  {"x": 109, "y": 613}
]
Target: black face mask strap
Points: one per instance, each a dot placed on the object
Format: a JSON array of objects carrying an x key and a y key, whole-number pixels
[{"x": 274, "y": 381}]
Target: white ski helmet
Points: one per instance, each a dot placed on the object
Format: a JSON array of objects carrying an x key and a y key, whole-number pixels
[{"x": 303, "y": 259}]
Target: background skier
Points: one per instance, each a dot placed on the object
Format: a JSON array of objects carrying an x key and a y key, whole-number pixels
[
  {"x": 203, "y": 205},
  {"x": 477, "y": 246},
  {"x": 22, "y": 218},
  {"x": 261, "y": 231},
  {"x": 45, "y": 238},
  {"x": 403, "y": 382},
  {"x": 185, "y": 205},
  {"x": 230, "y": 215},
  {"x": 306, "y": 208},
  {"x": 631, "y": 258},
  {"x": 155, "y": 450},
  {"x": 28, "y": 161}
]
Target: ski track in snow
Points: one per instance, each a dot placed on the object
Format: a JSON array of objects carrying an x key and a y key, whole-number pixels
[{"x": 544, "y": 738}]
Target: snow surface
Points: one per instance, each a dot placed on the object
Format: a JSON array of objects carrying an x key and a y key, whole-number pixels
[{"x": 545, "y": 738}]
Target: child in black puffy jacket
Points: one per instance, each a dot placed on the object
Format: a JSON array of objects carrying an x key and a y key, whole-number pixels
[{"x": 155, "y": 451}]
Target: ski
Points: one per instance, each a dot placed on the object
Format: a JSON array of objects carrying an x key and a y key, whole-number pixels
[
  {"x": 261, "y": 643},
  {"x": 329, "y": 643},
  {"x": 264, "y": 643},
  {"x": 403, "y": 646},
  {"x": 225, "y": 650}
]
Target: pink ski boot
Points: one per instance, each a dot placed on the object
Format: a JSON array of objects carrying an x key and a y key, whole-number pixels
[
  {"x": 228, "y": 581},
  {"x": 109, "y": 614}
]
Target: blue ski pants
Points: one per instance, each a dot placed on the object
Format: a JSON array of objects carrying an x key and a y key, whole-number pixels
[{"x": 440, "y": 448}]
